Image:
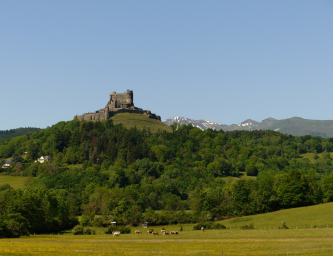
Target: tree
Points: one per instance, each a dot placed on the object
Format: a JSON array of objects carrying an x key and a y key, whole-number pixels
[{"x": 251, "y": 169}]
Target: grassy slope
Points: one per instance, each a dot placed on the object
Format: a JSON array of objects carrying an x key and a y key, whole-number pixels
[
  {"x": 308, "y": 216},
  {"x": 140, "y": 121},
  {"x": 310, "y": 156},
  {"x": 13, "y": 181},
  {"x": 230, "y": 179}
]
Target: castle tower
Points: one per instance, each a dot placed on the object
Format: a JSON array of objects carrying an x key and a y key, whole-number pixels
[{"x": 129, "y": 97}]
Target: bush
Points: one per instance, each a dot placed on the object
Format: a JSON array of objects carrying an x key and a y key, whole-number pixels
[
  {"x": 250, "y": 226},
  {"x": 89, "y": 231},
  {"x": 85, "y": 221},
  {"x": 209, "y": 225},
  {"x": 284, "y": 225},
  {"x": 77, "y": 230},
  {"x": 110, "y": 229},
  {"x": 122, "y": 229},
  {"x": 251, "y": 169}
]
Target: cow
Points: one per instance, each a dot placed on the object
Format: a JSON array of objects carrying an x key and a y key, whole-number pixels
[
  {"x": 138, "y": 232},
  {"x": 166, "y": 233},
  {"x": 155, "y": 233},
  {"x": 149, "y": 231},
  {"x": 116, "y": 233},
  {"x": 163, "y": 231},
  {"x": 174, "y": 232},
  {"x": 202, "y": 228}
]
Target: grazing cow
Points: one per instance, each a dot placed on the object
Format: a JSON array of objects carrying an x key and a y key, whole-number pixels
[
  {"x": 166, "y": 233},
  {"x": 202, "y": 228},
  {"x": 174, "y": 232},
  {"x": 138, "y": 232},
  {"x": 163, "y": 231},
  {"x": 116, "y": 233},
  {"x": 155, "y": 233},
  {"x": 149, "y": 231}
]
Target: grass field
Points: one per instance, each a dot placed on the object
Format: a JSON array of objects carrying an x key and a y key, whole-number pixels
[
  {"x": 140, "y": 121},
  {"x": 210, "y": 242},
  {"x": 13, "y": 181},
  {"x": 234, "y": 241}
]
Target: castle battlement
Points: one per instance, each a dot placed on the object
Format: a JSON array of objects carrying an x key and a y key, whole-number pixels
[{"x": 118, "y": 103}]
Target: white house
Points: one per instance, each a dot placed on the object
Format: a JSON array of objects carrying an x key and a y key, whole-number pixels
[
  {"x": 7, "y": 164},
  {"x": 42, "y": 159}
]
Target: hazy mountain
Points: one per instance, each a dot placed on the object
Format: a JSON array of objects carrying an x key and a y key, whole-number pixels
[{"x": 295, "y": 126}]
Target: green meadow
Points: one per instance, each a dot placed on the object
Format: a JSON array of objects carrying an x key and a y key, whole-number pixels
[
  {"x": 310, "y": 156},
  {"x": 14, "y": 181},
  {"x": 269, "y": 240}
]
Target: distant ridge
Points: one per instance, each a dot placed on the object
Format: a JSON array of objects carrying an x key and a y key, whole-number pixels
[
  {"x": 296, "y": 126},
  {"x": 8, "y": 134}
]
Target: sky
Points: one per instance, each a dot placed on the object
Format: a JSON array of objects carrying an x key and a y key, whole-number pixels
[{"x": 222, "y": 61}]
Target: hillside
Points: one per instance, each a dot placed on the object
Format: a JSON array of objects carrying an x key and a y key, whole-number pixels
[
  {"x": 295, "y": 126},
  {"x": 119, "y": 171},
  {"x": 130, "y": 120},
  {"x": 302, "y": 217},
  {"x": 8, "y": 134}
]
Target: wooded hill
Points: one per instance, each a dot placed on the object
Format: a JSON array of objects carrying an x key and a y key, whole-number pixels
[
  {"x": 131, "y": 175},
  {"x": 8, "y": 134}
]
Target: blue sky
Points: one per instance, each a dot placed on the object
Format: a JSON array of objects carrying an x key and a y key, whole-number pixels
[{"x": 223, "y": 61}]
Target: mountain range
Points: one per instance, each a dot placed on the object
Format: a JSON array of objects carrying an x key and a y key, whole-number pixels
[{"x": 295, "y": 126}]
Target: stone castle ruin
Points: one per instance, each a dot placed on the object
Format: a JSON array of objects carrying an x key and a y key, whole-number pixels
[{"x": 118, "y": 103}]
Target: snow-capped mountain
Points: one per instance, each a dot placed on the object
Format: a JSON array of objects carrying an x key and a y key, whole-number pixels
[
  {"x": 202, "y": 124},
  {"x": 248, "y": 122},
  {"x": 295, "y": 126}
]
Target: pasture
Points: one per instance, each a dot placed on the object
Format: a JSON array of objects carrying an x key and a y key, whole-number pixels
[
  {"x": 210, "y": 242},
  {"x": 14, "y": 181},
  {"x": 310, "y": 233}
]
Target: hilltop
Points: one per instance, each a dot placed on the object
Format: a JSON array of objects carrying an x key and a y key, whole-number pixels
[{"x": 131, "y": 120}]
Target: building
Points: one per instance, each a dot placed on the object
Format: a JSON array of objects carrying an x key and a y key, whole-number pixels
[
  {"x": 43, "y": 159},
  {"x": 118, "y": 103},
  {"x": 7, "y": 164}
]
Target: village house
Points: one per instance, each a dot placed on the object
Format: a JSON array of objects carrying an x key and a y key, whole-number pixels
[
  {"x": 7, "y": 164},
  {"x": 42, "y": 159}
]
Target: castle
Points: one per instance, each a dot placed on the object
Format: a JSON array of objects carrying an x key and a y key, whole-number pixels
[{"x": 118, "y": 103}]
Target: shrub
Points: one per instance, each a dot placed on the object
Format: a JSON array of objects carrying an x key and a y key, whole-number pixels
[
  {"x": 209, "y": 225},
  {"x": 284, "y": 225},
  {"x": 250, "y": 226},
  {"x": 251, "y": 169},
  {"x": 125, "y": 230},
  {"x": 77, "y": 230},
  {"x": 84, "y": 221},
  {"x": 89, "y": 231},
  {"x": 122, "y": 229},
  {"x": 110, "y": 229}
]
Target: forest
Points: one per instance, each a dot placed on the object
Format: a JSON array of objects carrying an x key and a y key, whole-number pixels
[{"x": 105, "y": 172}]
